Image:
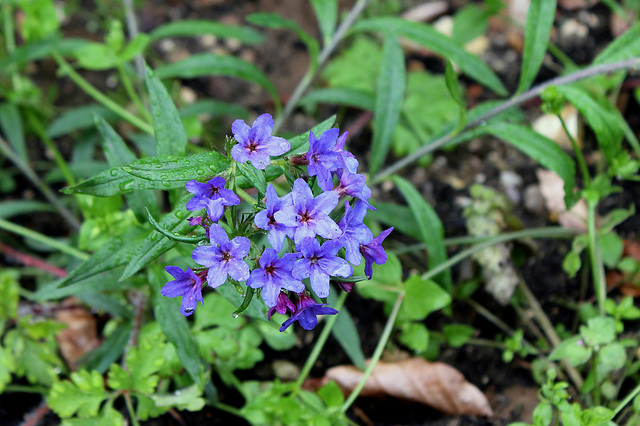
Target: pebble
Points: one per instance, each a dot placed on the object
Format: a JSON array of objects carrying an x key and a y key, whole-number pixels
[
  {"x": 572, "y": 29},
  {"x": 533, "y": 199},
  {"x": 511, "y": 182}
]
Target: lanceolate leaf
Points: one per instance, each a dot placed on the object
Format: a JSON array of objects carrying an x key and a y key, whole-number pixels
[
  {"x": 156, "y": 244},
  {"x": 256, "y": 177},
  {"x": 389, "y": 96},
  {"x": 118, "y": 153},
  {"x": 300, "y": 143},
  {"x": 607, "y": 125},
  {"x": 198, "y": 28},
  {"x": 541, "y": 149},
  {"x": 345, "y": 332},
  {"x": 41, "y": 49},
  {"x": 171, "y": 138},
  {"x": 340, "y": 96},
  {"x": 11, "y": 125},
  {"x": 626, "y": 46},
  {"x": 536, "y": 38},
  {"x": 431, "y": 228},
  {"x": 175, "y": 327},
  {"x": 273, "y": 20},
  {"x": 152, "y": 173},
  {"x": 204, "y": 64},
  {"x": 327, "y": 15},
  {"x": 431, "y": 39}
]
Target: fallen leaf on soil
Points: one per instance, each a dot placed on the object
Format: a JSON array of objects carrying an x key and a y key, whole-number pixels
[
  {"x": 81, "y": 334},
  {"x": 552, "y": 189},
  {"x": 432, "y": 383}
]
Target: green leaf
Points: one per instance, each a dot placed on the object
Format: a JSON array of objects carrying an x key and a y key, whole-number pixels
[
  {"x": 277, "y": 340},
  {"x": 256, "y": 177},
  {"x": 431, "y": 229},
  {"x": 451, "y": 80},
  {"x": 117, "y": 252},
  {"x": 345, "y": 332},
  {"x": 154, "y": 245},
  {"x": 428, "y": 37},
  {"x": 13, "y": 208},
  {"x": 331, "y": 394},
  {"x": 541, "y": 149},
  {"x": 108, "y": 417},
  {"x": 34, "y": 358},
  {"x": 135, "y": 47},
  {"x": 327, "y": 16},
  {"x": 611, "y": 246},
  {"x": 400, "y": 217},
  {"x": 626, "y": 46},
  {"x": 300, "y": 143},
  {"x": 171, "y": 138},
  {"x": 598, "y": 331},
  {"x": 189, "y": 399},
  {"x": 83, "y": 395},
  {"x": 11, "y": 125},
  {"x": 198, "y": 28},
  {"x": 8, "y": 297},
  {"x": 109, "y": 351},
  {"x": 415, "y": 336},
  {"x": 118, "y": 153},
  {"x": 341, "y": 96},
  {"x": 422, "y": 297},
  {"x": 610, "y": 357},
  {"x": 39, "y": 19},
  {"x": 33, "y": 51},
  {"x": 274, "y": 20},
  {"x": 457, "y": 334},
  {"x": 7, "y": 365},
  {"x": 214, "y": 108},
  {"x": 175, "y": 327},
  {"x": 206, "y": 64},
  {"x": 469, "y": 22},
  {"x": 605, "y": 123},
  {"x": 389, "y": 97},
  {"x": 536, "y": 38},
  {"x": 96, "y": 56},
  {"x": 152, "y": 173},
  {"x": 572, "y": 349},
  {"x": 78, "y": 118}
]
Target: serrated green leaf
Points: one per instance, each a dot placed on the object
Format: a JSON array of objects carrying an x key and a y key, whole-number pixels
[
  {"x": 341, "y": 96},
  {"x": 147, "y": 408},
  {"x": 300, "y": 143},
  {"x": 206, "y": 64},
  {"x": 154, "y": 245},
  {"x": 541, "y": 149},
  {"x": 7, "y": 365},
  {"x": 431, "y": 229},
  {"x": 604, "y": 122},
  {"x": 108, "y": 417},
  {"x": 198, "y": 28},
  {"x": 345, "y": 332},
  {"x": 626, "y": 46},
  {"x": 389, "y": 97},
  {"x": 536, "y": 38},
  {"x": 170, "y": 135},
  {"x": 83, "y": 395},
  {"x": 37, "y": 360},
  {"x": 428, "y": 37},
  {"x": 256, "y": 177},
  {"x": 11, "y": 125},
  {"x": 422, "y": 297},
  {"x": 152, "y": 173},
  {"x": 118, "y": 153},
  {"x": 189, "y": 399},
  {"x": 175, "y": 327}
]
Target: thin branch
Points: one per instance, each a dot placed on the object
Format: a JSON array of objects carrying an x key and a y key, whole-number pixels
[{"x": 517, "y": 100}]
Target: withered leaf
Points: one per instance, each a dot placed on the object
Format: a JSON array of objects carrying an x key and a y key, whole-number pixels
[{"x": 81, "y": 334}]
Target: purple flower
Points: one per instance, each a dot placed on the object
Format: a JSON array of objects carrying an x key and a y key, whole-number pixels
[
  {"x": 353, "y": 184},
  {"x": 320, "y": 263},
  {"x": 265, "y": 219},
  {"x": 186, "y": 284},
  {"x": 374, "y": 253},
  {"x": 223, "y": 257},
  {"x": 255, "y": 143},
  {"x": 308, "y": 215},
  {"x": 282, "y": 305},
  {"x": 306, "y": 311},
  {"x": 354, "y": 232},
  {"x": 212, "y": 196},
  {"x": 273, "y": 275},
  {"x": 323, "y": 157}
]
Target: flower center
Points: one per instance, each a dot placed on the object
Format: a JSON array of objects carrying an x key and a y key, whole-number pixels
[
  {"x": 226, "y": 256},
  {"x": 272, "y": 220},
  {"x": 305, "y": 217},
  {"x": 252, "y": 147},
  {"x": 314, "y": 260},
  {"x": 213, "y": 190},
  {"x": 269, "y": 269}
]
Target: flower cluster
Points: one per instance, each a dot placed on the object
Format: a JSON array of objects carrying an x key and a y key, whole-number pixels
[{"x": 305, "y": 237}]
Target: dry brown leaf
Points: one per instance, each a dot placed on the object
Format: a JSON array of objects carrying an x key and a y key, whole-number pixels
[
  {"x": 552, "y": 189},
  {"x": 432, "y": 383},
  {"x": 576, "y": 4},
  {"x": 81, "y": 334}
]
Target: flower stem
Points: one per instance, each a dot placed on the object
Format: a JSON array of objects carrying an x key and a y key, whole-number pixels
[
  {"x": 313, "y": 68},
  {"x": 627, "y": 399},
  {"x": 132, "y": 413},
  {"x": 67, "y": 69},
  {"x": 595, "y": 257},
  {"x": 577, "y": 151},
  {"x": 516, "y": 100},
  {"x": 28, "y": 233},
  {"x": 322, "y": 339},
  {"x": 386, "y": 334}
]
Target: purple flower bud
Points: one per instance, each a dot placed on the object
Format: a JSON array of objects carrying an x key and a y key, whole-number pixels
[
  {"x": 306, "y": 312},
  {"x": 282, "y": 306},
  {"x": 186, "y": 284},
  {"x": 374, "y": 253}
]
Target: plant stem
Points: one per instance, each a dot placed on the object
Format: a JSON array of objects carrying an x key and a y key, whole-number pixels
[
  {"x": 67, "y": 69},
  {"x": 28, "y": 233},
  {"x": 128, "y": 87},
  {"x": 132, "y": 413},
  {"x": 26, "y": 389},
  {"x": 577, "y": 151},
  {"x": 627, "y": 399},
  {"x": 132, "y": 25},
  {"x": 44, "y": 188},
  {"x": 516, "y": 100},
  {"x": 245, "y": 196},
  {"x": 382, "y": 343},
  {"x": 228, "y": 409},
  {"x": 324, "y": 55},
  {"x": 322, "y": 339},
  {"x": 595, "y": 257},
  {"x": 51, "y": 146}
]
